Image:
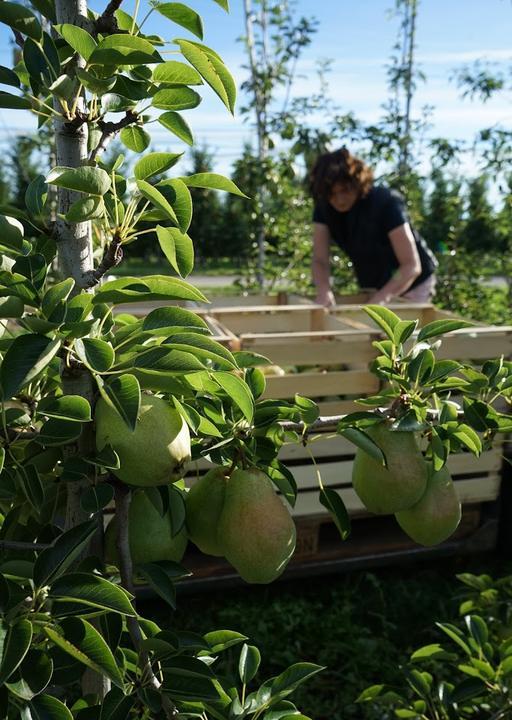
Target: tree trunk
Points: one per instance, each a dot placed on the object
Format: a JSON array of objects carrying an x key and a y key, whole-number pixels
[
  {"x": 75, "y": 259},
  {"x": 261, "y": 130}
]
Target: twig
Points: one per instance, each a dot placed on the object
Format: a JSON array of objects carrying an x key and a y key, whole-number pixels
[
  {"x": 19, "y": 39},
  {"x": 20, "y": 545},
  {"x": 107, "y": 22},
  {"x": 122, "y": 497},
  {"x": 111, "y": 258},
  {"x": 109, "y": 129}
]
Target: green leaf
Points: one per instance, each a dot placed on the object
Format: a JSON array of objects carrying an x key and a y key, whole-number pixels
[
  {"x": 123, "y": 392},
  {"x": 203, "y": 347},
  {"x": 96, "y": 497},
  {"x": 178, "y": 194},
  {"x": 212, "y": 181},
  {"x": 34, "y": 267},
  {"x": 220, "y": 640},
  {"x": 15, "y": 647},
  {"x": 86, "y": 179},
  {"x": 32, "y": 487},
  {"x": 160, "y": 581},
  {"x": 333, "y": 502},
  {"x": 86, "y": 208},
  {"x": 56, "y": 296},
  {"x": 249, "y": 663},
  {"x": 469, "y": 438},
  {"x": 83, "y": 642},
  {"x": 384, "y": 318},
  {"x": 96, "y": 354},
  {"x": 135, "y": 138},
  {"x": 46, "y": 8},
  {"x": 176, "y": 73},
  {"x": 154, "y": 164},
  {"x": 124, "y": 49},
  {"x": 20, "y": 18},
  {"x": 69, "y": 407},
  {"x": 95, "y": 85},
  {"x": 176, "y": 124},
  {"x": 35, "y": 196},
  {"x": 26, "y": 358},
  {"x": 292, "y": 677},
  {"x": 151, "y": 287},
  {"x": 238, "y": 391},
  {"x": 167, "y": 360},
  {"x": 9, "y": 77},
  {"x": 224, "y": 4},
  {"x": 182, "y": 15},
  {"x": 34, "y": 675},
  {"x": 440, "y": 327},
  {"x": 420, "y": 367},
  {"x": 403, "y": 331},
  {"x": 48, "y": 707},
  {"x": 180, "y": 98},
  {"x": 55, "y": 560},
  {"x": 189, "y": 679},
  {"x": 78, "y": 38},
  {"x": 56, "y": 431},
  {"x": 11, "y": 233},
  {"x": 178, "y": 248},
  {"x": 309, "y": 410},
  {"x": 212, "y": 69},
  {"x": 157, "y": 199},
  {"x": 165, "y": 320},
  {"x": 13, "y": 102},
  {"x": 363, "y": 441},
  {"x": 92, "y": 590}
]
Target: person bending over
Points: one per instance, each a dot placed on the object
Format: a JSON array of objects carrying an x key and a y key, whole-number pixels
[{"x": 370, "y": 224}]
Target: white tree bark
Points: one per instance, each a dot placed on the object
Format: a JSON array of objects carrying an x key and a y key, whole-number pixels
[
  {"x": 75, "y": 259},
  {"x": 74, "y": 240}
]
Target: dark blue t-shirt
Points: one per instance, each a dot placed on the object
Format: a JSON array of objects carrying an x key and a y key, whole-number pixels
[{"x": 362, "y": 233}]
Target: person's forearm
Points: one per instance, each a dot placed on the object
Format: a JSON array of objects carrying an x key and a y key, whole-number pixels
[
  {"x": 399, "y": 283},
  {"x": 321, "y": 276}
]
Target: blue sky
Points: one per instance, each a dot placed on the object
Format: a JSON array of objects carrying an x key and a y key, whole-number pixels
[{"x": 358, "y": 37}]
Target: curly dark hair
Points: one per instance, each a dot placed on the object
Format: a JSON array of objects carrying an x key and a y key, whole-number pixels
[{"x": 339, "y": 167}]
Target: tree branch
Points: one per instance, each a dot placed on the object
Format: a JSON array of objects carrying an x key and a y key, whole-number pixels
[
  {"x": 112, "y": 256},
  {"x": 21, "y": 545},
  {"x": 122, "y": 498},
  {"x": 106, "y": 24},
  {"x": 109, "y": 130}
]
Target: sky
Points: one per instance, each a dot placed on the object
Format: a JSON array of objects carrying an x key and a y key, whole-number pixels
[{"x": 358, "y": 38}]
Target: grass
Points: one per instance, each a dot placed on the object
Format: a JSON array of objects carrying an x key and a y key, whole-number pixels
[{"x": 362, "y": 626}]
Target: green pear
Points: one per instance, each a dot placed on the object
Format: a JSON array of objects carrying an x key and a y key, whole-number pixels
[
  {"x": 255, "y": 528},
  {"x": 155, "y": 452},
  {"x": 386, "y": 490},
  {"x": 437, "y": 514},
  {"x": 204, "y": 504},
  {"x": 149, "y": 534}
]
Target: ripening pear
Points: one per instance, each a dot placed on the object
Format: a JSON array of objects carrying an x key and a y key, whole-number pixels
[
  {"x": 204, "y": 504},
  {"x": 150, "y": 534},
  {"x": 437, "y": 514},
  {"x": 255, "y": 528},
  {"x": 386, "y": 490},
  {"x": 155, "y": 452}
]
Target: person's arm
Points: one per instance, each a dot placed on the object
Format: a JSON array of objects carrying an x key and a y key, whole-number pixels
[
  {"x": 322, "y": 264},
  {"x": 409, "y": 264}
]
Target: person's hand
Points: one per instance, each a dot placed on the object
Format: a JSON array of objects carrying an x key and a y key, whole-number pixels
[{"x": 325, "y": 298}]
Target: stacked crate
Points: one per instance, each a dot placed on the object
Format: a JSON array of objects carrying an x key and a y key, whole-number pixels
[{"x": 325, "y": 355}]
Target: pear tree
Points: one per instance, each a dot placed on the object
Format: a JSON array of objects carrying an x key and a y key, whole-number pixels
[{"x": 101, "y": 409}]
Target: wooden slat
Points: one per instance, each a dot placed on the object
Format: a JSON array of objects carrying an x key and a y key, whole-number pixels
[
  {"x": 304, "y": 350},
  {"x": 349, "y": 382},
  {"x": 475, "y": 490},
  {"x": 339, "y": 473}
]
